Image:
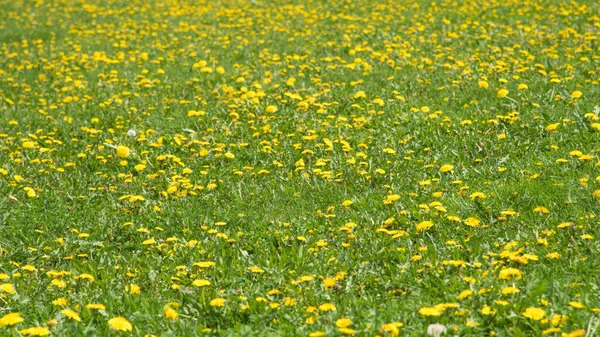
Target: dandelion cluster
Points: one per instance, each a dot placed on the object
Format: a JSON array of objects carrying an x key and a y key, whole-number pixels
[{"x": 300, "y": 167}]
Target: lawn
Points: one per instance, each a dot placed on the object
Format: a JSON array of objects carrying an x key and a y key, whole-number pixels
[{"x": 299, "y": 167}]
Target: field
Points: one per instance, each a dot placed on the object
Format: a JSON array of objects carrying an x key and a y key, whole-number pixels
[{"x": 299, "y": 167}]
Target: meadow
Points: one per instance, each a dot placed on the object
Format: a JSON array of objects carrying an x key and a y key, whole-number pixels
[{"x": 299, "y": 167}]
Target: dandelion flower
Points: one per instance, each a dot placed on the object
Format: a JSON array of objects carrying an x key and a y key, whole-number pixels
[
  {"x": 502, "y": 93},
  {"x": 217, "y": 302},
  {"x": 426, "y": 311},
  {"x": 71, "y": 314},
  {"x": 35, "y": 331},
  {"x": 201, "y": 283},
  {"x": 327, "y": 307},
  {"x": 120, "y": 323},
  {"x": 510, "y": 273},
  {"x": 170, "y": 313},
  {"x": 446, "y": 168},
  {"x": 534, "y": 313},
  {"x": 423, "y": 226},
  {"x": 93, "y": 306},
  {"x": 11, "y": 319},
  {"x": 122, "y": 151},
  {"x": 7, "y": 288}
]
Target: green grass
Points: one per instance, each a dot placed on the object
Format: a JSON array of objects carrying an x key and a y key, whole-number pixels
[{"x": 385, "y": 94}]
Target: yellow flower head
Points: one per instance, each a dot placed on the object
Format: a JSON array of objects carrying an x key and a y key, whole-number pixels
[
  {"x": 446, "y": 168},
  {"x": 71, "y": 314},
  {"x": 534, "y": 313},
  {"x": 35, "y": 331},
  {"x": 510, "y": 273},
  {"x": 122, "y": 151},
  {"x": 11, "y": 319},
  {"x": 217, "y": 302},
  {"x": 502, "y": 93},
  {"x": 120, "y": 323}
]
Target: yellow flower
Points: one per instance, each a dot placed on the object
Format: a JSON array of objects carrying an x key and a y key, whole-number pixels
[
  {"x": 201, "y": 283},
  {"x": 93, "y": 306},
  {"x": 534, "y": 313},
  {"x": 502, "y": 93},
  {"x": 559, "y": 319},
  {"x": 120, "y": 323},
  {"x": 28, "y": 145},
  {"x": 472, "y": 222},
  {"x": 510, "y": 290},
  {"x": 36, "y": 331},
  {"x": 392, "y": 328},
  {"x": 71, "y": 314},
  {"x": 30, "y": 192},
  {"x": 576, "y": 94},
  {"x": 60, "y": 301},
  {"x": 347, "y": 331},
  {"x": 575, "y": 333},
  {"x": 122, "y": 151},
  {"x": 510, "y": 273},
  {"x": 426, "y": 311},
  {"x": 483, "y": 84},
  {"x": 85, "y": 277},
  {"x": 522, "y": 86},
  {"x": 217, "y": 302},
  {"x": 11, "y": 319},
  {"x": 391, "y": 199},
  {"x": 271, "y": 109},
  {"x": 550, "y": 331},
  {"x": 327, "y": 307},
  {"x": 204, "y": 264},
  {"x": 194, "y": 113},
  {"x": 577, "y": 305},
  {"x": 552, "y": 127},
  {"x": 8, "y": 288},
  {"x": 170, "y": 313},
  {"x": 360, "y": 94},
  {"x": 464, "y": 294},
  {"x": 477, "y": 196},
  {"x": 133, "y": 289},
  {"x": 135, "y": 198},
  {"x": 343, "y": 323},
  {"x": 487, "y": 310},
  {"x": 347, "y": 203},
  {"x": 446, "y": 168},
  {"x": 329, "y": 282},
  {"x": 423, "y": 226}
]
